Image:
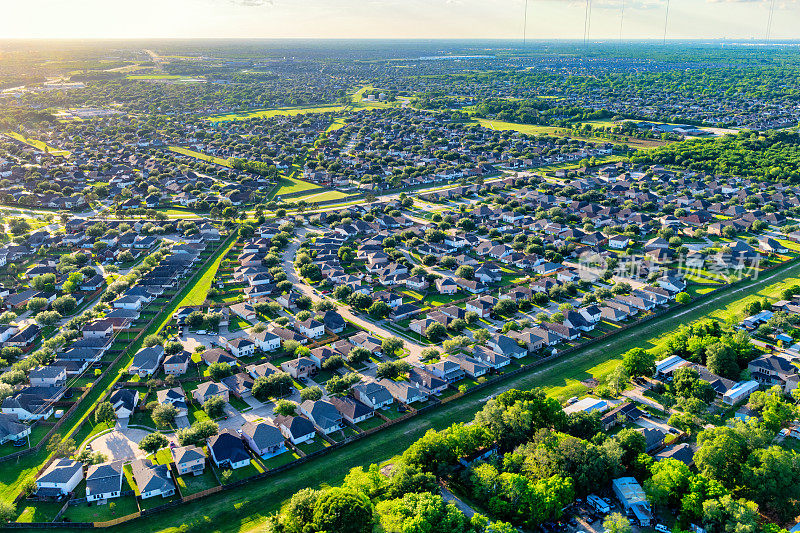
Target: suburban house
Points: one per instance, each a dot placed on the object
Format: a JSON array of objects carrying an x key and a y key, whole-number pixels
[
  {"x": 146, "y": 361},
  {"x": 263, "y": 438},
  {"x": 11, "y": 429},
  {"x": 426, "y": 381},
  {"x": 227, "y": 450},
  {"x": 333, "y": 321},
  {"x": 302, "y": 367},
  {"x": 373, "y": 395},
  {"x": 152, "y": 479},
  {"x": 124, "y": 402},
  {"x": 403, "y": 391},
  {"x": 104, "y": 481},
  {"x": 323, "y": 415},
  {"x": 176, "y": 397},
  {"x": 209, "y": 389},
  {"x": 266, "y": 341},
  {"x": 189, "y": 459},
  {"x": 48, "y": 376},
  {"x": 351, "y": 409},
  {"x": 59, "y": 479},
  {"x": 296, "y": 428},
  {"x": 240, "y": 347},
  {"x": 177, "y": 364},
  {"x": 311, "y": 328}
]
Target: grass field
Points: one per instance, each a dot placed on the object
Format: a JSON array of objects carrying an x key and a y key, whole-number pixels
[
  {"x": 533, "y": 129},
  {"x": 201, "y": 156},
  {"x": 243, "y": 508},
  {"x": 198, "y": 294},
  {"x": 290, "y": 185},
  {"x": 325, "y": 196},
  {"x": 154, "y": 77},
  {"x": 39, "y": 145},
  {"x": 266, "y": 113}
]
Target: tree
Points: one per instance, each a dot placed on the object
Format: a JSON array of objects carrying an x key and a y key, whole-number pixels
[
  {"x": 214, "y": 407},
  {"x": 164, "y": 415},
  {"x": 65, "y": 305},
  {"x": 344, "y": 511},
  {"x": 340, "y": 385},
  {"x": 505, "y": 307},
  {"x": 435, "y": 331},
  {"x": 197, "y": 433},
  {"x": 7, "y": 511},
  {"x": 359, "y": 300},
  {"x": 285, "y": 408},
  {"x": 60, "y": 447},
  {"x": 153, "y": 442},
  {"x": 772, "y": 476},
  {"x": 639, "y": 362},
  {"x": 104, "y": 413},
  {"x": 721, "y": 360},
  {"x": 219, "y": 370},
  {"x": 726, "y": 514},
  {"x": 422, "y": 513},
  {"x": 358, "y": 354},
  {"x": 272, "y": 386},
  {"x": 669, "y": 482},
  {"x": 465, "y": 271},
  {"x": 617, "y": 523},
  {"x": 379, "y": 310},
  {"x": 683, "y": 298},
  {"x": 391, "y": 345},
  {"x": 47, "y": 318},
  {"x": 311, "y": 393},
  {"x": 37, "y": 304}
]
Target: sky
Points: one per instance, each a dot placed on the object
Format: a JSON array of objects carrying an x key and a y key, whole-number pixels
[{"x": 465, "y": 19}]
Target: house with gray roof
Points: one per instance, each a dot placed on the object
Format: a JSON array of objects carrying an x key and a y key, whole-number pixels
[
  {"x": 264, "y": 439},
  {"x": 104, "y": 481},
  {"x": 373, "y": 395},
  {"x": 146, "y": 361},
  {"x": 59, "y": 479},
  {"x": 11, "y": 429},
  {"x": 189, "y": 459},
  {"x": 323, "y": 415},
  {"x": 227, "y": 450},
  {"x": 152, "y": 479}
]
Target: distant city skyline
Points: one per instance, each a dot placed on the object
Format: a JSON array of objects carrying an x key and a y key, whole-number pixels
[{"x": 465, "y": 19}]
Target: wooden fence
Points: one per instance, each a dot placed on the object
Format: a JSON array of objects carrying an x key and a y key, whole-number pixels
[{"x": 436, "y": 404}]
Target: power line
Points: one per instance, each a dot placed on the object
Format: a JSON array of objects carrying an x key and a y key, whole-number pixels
[
  {"x": 587, "y": 21},
  {"x": 666, "y": 19},
  {"x": 770, "y": 18},
  {"x": 525, "y": 24}
]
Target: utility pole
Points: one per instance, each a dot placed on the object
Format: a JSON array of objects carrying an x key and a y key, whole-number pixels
[{"x": 666, "y": 19}]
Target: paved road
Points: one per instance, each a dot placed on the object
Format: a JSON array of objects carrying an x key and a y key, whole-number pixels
[
  {"x": 463, "y": 507},
  {"x": 414, "y": 348}
]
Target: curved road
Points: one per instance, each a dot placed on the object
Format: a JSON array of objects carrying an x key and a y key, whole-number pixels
[{"x": 415, "y": 349}]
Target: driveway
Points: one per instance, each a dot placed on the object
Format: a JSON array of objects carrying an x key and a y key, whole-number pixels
[
  {"x": 120, "y": 444},
  {"x": 414, "y": 348}
]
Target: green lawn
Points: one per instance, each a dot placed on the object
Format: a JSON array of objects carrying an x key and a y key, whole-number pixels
[
  {"x": 370, "y": 423},
  {"x": 199, "y": 292},
  {"x": 190, "y": 484},
  {"x": 201, "y": 156},
  {"x": 39, "y": 145},
  {"x": 311, "y": 447},
  {"x": 325, "y": 196},
  {"x": 289, "y": 185},
  {"x": 102, "y": 513},
  {"x": 38, "y": 511},
  {"x": 267, "y": 113},
  {"x": 243, "y": 508}
]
